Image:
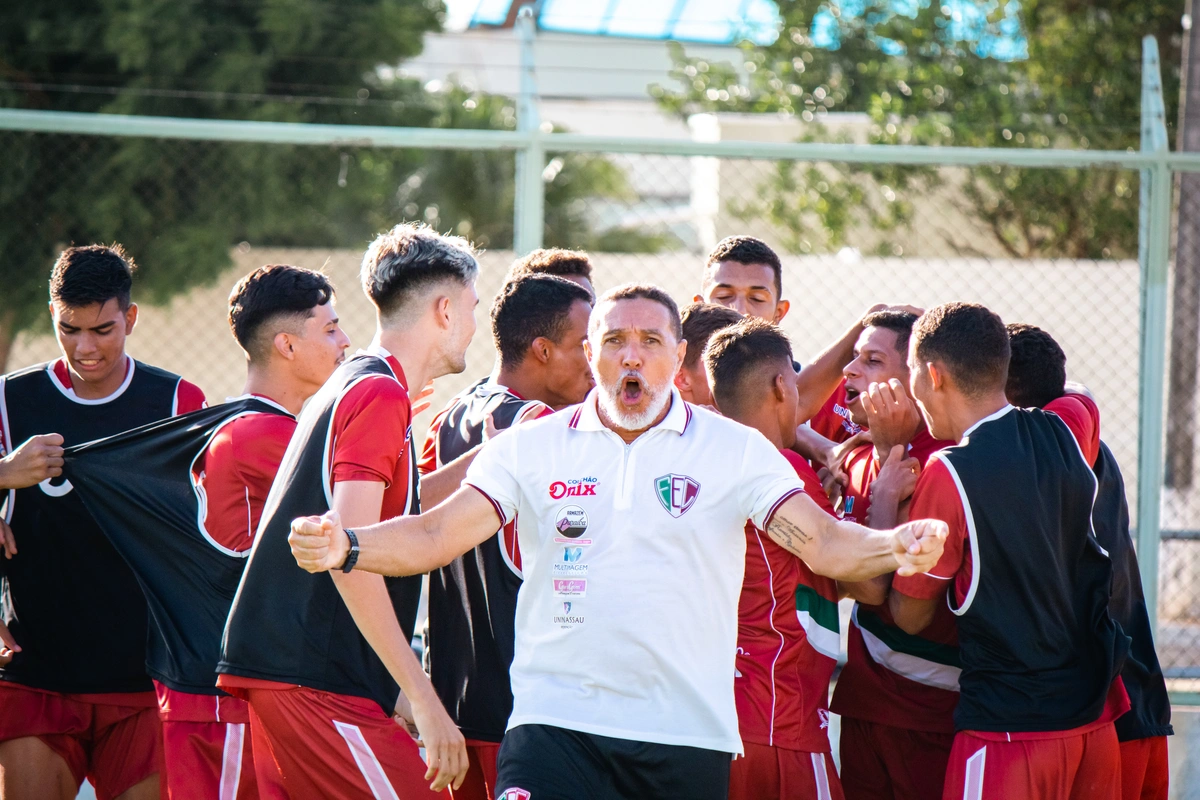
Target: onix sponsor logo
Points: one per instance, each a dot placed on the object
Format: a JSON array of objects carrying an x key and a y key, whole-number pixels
[
  {"x": 583, "y": 487},
  {"x": 677, "y": 493}
]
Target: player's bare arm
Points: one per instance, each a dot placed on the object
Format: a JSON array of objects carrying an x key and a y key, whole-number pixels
[
  {"x": 848, "y": 552},
  {"x": 37, "y": 459},
  {"x": 890, "y": 494},
  {"x": 912, "y": 614},
  {"x": 409, "y": 545},
  {"x": 367, "y": 599}
]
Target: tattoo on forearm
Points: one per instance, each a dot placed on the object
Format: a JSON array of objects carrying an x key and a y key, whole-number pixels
[{"x": 790, "y": 535}]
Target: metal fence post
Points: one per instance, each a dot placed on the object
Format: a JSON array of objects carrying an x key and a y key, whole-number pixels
[
  {"x": 529, "y": 206},
  {"x": 1153, "y": 252}
]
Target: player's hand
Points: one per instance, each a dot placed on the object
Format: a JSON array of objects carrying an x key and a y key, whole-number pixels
[
  {"x": 896, "y": 480},
  {"x": 445, "y": 747},
  {"x": 834, "y": 484},
  {"x": 421, "y": 401},
  {"x": 8, "y": 645},
  {"x": 319, "y": 544},
  {"x": 8, "y": 542},
  {"x": 38, "y": 459},
  {"x": 403, "y": 716},
  {"x": 892, "y": 416},
  {"x": 918, "y": 545}
]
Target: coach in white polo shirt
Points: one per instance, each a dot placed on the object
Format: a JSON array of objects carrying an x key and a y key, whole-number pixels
[{"x": 631, "y": 510}]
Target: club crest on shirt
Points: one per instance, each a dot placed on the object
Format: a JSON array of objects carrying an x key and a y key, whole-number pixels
[
  {"x": 677, "y": 493},
  {"x": 515, "y": 794}
]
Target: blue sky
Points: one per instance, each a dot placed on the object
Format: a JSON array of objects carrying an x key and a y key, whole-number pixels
[{"x": 723, "y": 21}]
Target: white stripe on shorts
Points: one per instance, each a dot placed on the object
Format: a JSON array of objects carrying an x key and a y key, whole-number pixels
[
  {"x": 821, "y": 776},
  {"x": 368, "y": 764},
  {"x": 973, "y": 783},
  {"x": 231, "y": 760}
]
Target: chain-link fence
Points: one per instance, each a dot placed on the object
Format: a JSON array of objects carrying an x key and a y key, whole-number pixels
[{"x": 199, "y": 213}]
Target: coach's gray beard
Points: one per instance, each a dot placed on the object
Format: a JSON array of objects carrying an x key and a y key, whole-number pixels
[{"x": 658, "y": 396}]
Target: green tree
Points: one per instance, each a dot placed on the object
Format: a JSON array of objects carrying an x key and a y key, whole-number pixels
[
  {"x": 179, "y": 205},
  {"x": 927, "y": 74}
]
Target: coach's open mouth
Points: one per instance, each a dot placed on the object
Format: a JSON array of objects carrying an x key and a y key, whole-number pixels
[{"x": 631, "y": 391}]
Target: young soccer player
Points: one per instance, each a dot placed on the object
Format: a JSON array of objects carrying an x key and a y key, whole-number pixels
[
  {"x": 539, "y": 323},
  {"x": 700, "y": 321},
  {"x": 325, "y": 663},
  {"x": 788, "y": 637},
  {"x": 1037, "y": 378},
  {"x": 1023, "y": 573},
  {"x": 283, "y": 319},
  {"x": 897, "y": 692},
  {"x": 75, "y": 700}
]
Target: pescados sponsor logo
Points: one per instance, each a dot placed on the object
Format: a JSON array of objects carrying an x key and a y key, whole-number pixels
[{"x": 575, "y": 487}]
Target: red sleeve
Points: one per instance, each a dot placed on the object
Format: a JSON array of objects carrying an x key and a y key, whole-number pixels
[
  {"x": 428, "y": 461},
  {"x": 1083, "y": 418},
  {"x": 370, "y": 431},
  {"x": 258, "y": 448},
  {"x": 188, "y": 397},
  {"x": 936, "y": 497},
  {"x": 812, "y": 484}
]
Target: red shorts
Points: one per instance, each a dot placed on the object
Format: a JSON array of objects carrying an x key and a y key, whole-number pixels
[
  {"x": 882, "y": 762},
  {"x": 1145, "y": 773},
  {"x": 215, "y": 759},
  {"x": 480, "y": 783},
  {"x": 1075, "y": 766},
  {"x": 116, "y": 744},
  {"x": 773, "y": 773},
  {"x": 332, "y": 745}
]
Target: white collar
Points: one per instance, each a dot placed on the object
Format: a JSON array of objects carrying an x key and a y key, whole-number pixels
[{"x": 997, "y": 415}]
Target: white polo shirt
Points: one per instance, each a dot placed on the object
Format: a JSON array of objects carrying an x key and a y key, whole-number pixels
[{"x": 633, "y": 556}]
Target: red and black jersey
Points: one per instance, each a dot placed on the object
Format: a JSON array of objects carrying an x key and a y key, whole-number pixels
[
  {"x": 286, "y": 626},
  {"x": 473, "y": 599},
  {"x": 788, "y": 640},
  {"x": 143, "y": 489},
  {"x": 892, "y": 677},
  {"x": 1150, "y": 706},
  {"x": 70, "y": 600},
  {"x": 1038, "y": 648}
]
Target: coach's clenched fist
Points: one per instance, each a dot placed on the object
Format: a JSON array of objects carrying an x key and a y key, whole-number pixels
[
  {"x": 319, "y": 544},
  {"x": 38, "y": 459},
  {"x": 917, "y": 545}
]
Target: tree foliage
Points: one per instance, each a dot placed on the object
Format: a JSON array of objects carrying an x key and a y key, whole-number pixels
[
  {"x": 928, "y": 73},
  {"x": 180, "y": 205}
]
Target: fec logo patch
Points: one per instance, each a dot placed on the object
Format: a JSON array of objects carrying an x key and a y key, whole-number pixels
[{"x": 677, "y": 493}]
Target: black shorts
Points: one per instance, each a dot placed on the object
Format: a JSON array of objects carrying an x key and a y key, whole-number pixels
[{"x": 540, "y": 762}]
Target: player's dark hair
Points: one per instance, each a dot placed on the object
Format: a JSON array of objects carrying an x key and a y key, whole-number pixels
[
  {"x": 553, "y": 261},
  {"x": 532, "y": 306},
  {"x": 645, "y": 291},
  {"x": 410, "y": 258},
  {"x": 699, "y": 322},
  {"x": 1037, "y": 370},
  {"x": 747, "y": 250},
  {"x": 897, "y": 321},
  {"x": 742, "y": 361},
  {"x": 970, "y": 341},
  {"x": 274, "y": 298},
  {"x": 96, "y": 273}
]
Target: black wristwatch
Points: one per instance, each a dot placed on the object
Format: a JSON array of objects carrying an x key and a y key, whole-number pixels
[{"x": 352, "y": 556}]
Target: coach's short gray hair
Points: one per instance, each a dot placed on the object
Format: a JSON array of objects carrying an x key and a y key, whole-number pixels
[{"x": 409, "y": 258}]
